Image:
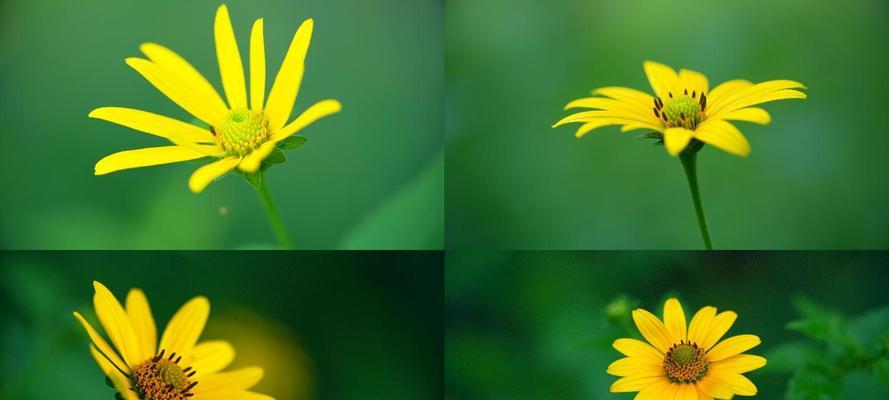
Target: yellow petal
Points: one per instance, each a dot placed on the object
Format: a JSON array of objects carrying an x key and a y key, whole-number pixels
[
  {"x": 627, "y": 95},
  {"x": 702, "y": 395},
  {"x": 676, "y": 140},
  {"x": 693, "y": 80},
  {"x": 757, "y": 99},
  {"x": 102, "y": 345},
  {"x": 670, "y": 392},
  {"x": 240, "y": 379},
  {"x": 750, "y": 114},
  {"x": 231, "y": 69},
  {"x": 146, "y": 157},
  {"x": 175, "y": 90},
  {"x": 686, "y": 392},
  {"x": 234, "y": 395},
  {"x": 700, "y": 325},
  {"x": 662, "y": 79},
  {"x": 724, "y": 136},
  {"x": 719, "y": 94},
  {"x": 212, "y": 356},
  {"x": 208, "y": 173},
  {"x": 117, "y": 325},
  {"x": 636, "y": 367},
  {"x": 654, "y": 391},
  {"x": 638, "y": 349},
  {"x": 751, "y": 95},
  {"x": 120, "y": 382},
  {"x": 674, "y": 320},
  {"x": 732, "y": 346},
  {"x": 604, "y": 103},
  {"x": 652, "y": 329},
  {"x": 286, "y": 86},
  {"x": 595, "y": 123},
  {"x": 252, "y": 161},
  {"x": 634, "y": 383},
  {"x": 142, "y": 321},
  {"x": 740, "y": 363},
  {"x": 185, "y": 327},
  {"x": 739, "y": 384},
  {"x": 715, "y": 387},
  {"x": 317, "y": 111},
  {"x": 257, "y": 67},
  {"x": 176, "y": 131},
  {"x": 586, "y": 116},
  {"x": 177, "y": 66},
  {"x": 718, "y": 327}
]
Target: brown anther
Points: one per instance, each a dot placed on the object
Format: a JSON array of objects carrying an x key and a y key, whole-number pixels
[{"x": 692, "y": 94}]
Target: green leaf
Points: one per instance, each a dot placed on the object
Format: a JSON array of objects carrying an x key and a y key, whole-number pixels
[
  {"x": 870, "y": 330},
  {"x": 820, "y": 324},
  {"x": 292, "y": 143},
  {"x": 813, "y": 384},
  {"x": 276, "y": 157},
  {"x": 254, "y": 178}
]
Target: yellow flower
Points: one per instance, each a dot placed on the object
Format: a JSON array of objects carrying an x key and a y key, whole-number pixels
[
  {"x": 179, "y": 368},
  {"x": 683, "y": 108},
  {"x": 239, "y": 136},
  {"x": 685, "y": 362}
]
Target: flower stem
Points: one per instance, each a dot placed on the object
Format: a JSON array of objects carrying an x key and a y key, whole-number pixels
[
  {"x": 689, "y": 164},
  {"x": 272, "y": 214}
]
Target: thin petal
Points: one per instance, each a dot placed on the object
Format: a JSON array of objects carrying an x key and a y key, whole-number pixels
[
  {"x": 714, "y": 386},
  {"x": 146, "y": 157},
  {"x": 175, "y": 90},
  {"x": 120, "y": 382},
  {"x": 702, "y": 395},
  {"x": 177, "y": 66},
  {"x": 686, "y": 392},
  {"x": 627, "y": 95},
  {"x": 234, "y": 395},
  {"x": 719, "y": 94},
  {"x": 750, "y": 114},
  {"x": 102, "y": 345},
  {"x": 732, "y": 346},
  {"x": 586, "y": 116},
  {"x": 636, "y": 367},
  {"x": 317, "y": 111},
  {"x": 252, "y": 161},
  {"x": 257, "y": 67},
  {"x": 652, "y": 329},
  {"x": 676, "y": 140},
  {"x": 634, "y": 383},
  {"x": 176, "y": 131},
  {"x": 654, "y": 391},
  {"x": 603, "y": 103},
  {"x": 142, "y": 322},
  {"x": 739, "y": 384},
  {"x": 286, "y": 86},
  {"x": 724, "y": 136},
  {"x": 740, "y": 363},
  {"x": 212, "y": 356},
  {"x": 718, "y": 327},
  {"x": 203, "y": 176},
  {"x": 756, "y": 94},
  {"x": 638, "y": 349},
  {"x": 674, "y": 320},
  {"x": 693, "y": 80},
  {"x": 662, "y": 79},
  {"x": 239, "y": 379},
  {"x": 700, "y": 325},
  {"x": 185, "y": 327},
  {"x": 231, "y": 69},
  {"x": 117, "y": 325}
]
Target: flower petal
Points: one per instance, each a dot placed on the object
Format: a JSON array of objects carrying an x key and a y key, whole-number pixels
[
  {"x": 693, "y": 80},
  {"x": 185, "y": 327},
  {"x": 739, "y": 384},
  {"x": 627, "y": 95},
  {"x": 317, "y": 111},
  {"x": 700, "y": 325},
  {"x": 211, "y": 356},
  {"x": 252, "y": 161},
  {"x": 175, "y": 90},
  {"x": 638, "y": 349},
  {"x": 636, "y": 367},
  {"x": 146, "y": 157},
  {"x": 756, "y": 94},
  {"x": 102, "y": 345},
  {"x": 208, "y": 173},
  {"x": 176, "y": 131},
  {"x": 286, "y": 86},
  {"x": 721, "y": 92},
  {"x": 604, "y": 103},
  {"x": 120, "y": 382},
  {"x": 740, "y": 363},
  {"x": 724, "y": 136},
  {"x": 652, "y": 329},
  {"x": 231, "y": 69},
  {"x": 142, "y": 321},
  {"x": 662, "y": 79},
  {"x": 257, "y": 67},
  {"x": 714, "y": 386},
  {"x": 674, "y": 320},
  {"x": 635, "y": 383},
  {"x": 117, "y": 325},
  {"x": 718, "y": 327},
  {"x": 240, "y": 379},
  {"x": 177, "y": 66},
  {"x": 235, "y": 395},
  {"x": 732, "y": 346},
  {"x": 676, "y": 140},
  {"x": 750, "y": 114},
  {"x": 655, "y": 391},
  {"x": 686, "y": 392}
]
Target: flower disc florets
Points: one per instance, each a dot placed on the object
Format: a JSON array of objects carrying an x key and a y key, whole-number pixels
[
  {"x": 685, "y": 362},
  {"x": 242, "y": 131},
  {"x": 162, "y": 378}
]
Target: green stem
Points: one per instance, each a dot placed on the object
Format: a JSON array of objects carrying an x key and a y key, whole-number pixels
[
  {"x": 272, "y": 214},
  {"x": 689, "y": 164}
]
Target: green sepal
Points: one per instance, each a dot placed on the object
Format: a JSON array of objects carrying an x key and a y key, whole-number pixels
[
  {"x": 275, "y": 157},
  {"x": 292, "y": 142},
  {"x": 254, "y": 178}
]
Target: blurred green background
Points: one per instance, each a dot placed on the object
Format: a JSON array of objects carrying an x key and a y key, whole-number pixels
[
  {"x": 370, "y": 176},
  {"x": 817, "y": 175},
  {"x": 347, "y": 325},
  {"x": 539, "y": 325}
]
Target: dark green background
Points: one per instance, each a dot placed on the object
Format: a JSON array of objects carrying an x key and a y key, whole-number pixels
[
  {"x": 370, "y": 176},
  {"x": 533, "y": 325},
  {"x": 370, "y": 323},
  {"x": 817, "y": 175}
]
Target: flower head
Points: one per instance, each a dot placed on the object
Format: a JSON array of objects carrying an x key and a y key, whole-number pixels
[
  {"x": 683, "y": 109},
  {"x": 239, "y": 135},
  {"x": 178, "y": 368},
  {"x": 685, "y": 362}
]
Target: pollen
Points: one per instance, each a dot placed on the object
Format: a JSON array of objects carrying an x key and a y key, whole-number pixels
[
  {"x": 162, "y": 378},
  {"x": 681, "y": 110},
  {"x": 685, "y": 362},
  {"x": 241, "y": 132}
]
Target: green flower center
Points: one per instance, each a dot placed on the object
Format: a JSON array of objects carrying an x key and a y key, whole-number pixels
[
  {"x": 685, "y": 362},
  {"x": 681, "y": 110},
  {"x": 162, "y": 378},
  {"x": 242, "y": 131}
]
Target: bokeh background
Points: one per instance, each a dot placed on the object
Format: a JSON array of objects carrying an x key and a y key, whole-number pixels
[
  {"x": 817, "y": 177},
  {"x": 346, "y": 325},
  {"x": 370, "y": 176},
  {"x": 539, "y": 325}
]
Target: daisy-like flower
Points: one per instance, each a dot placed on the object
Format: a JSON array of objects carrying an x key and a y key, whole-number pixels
[
  {"x": 685, "y": 362},
  {"x": 178, "y": 368},
  {"x": 239, "y": 135},
  {"x": 683, "y": 108}
]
